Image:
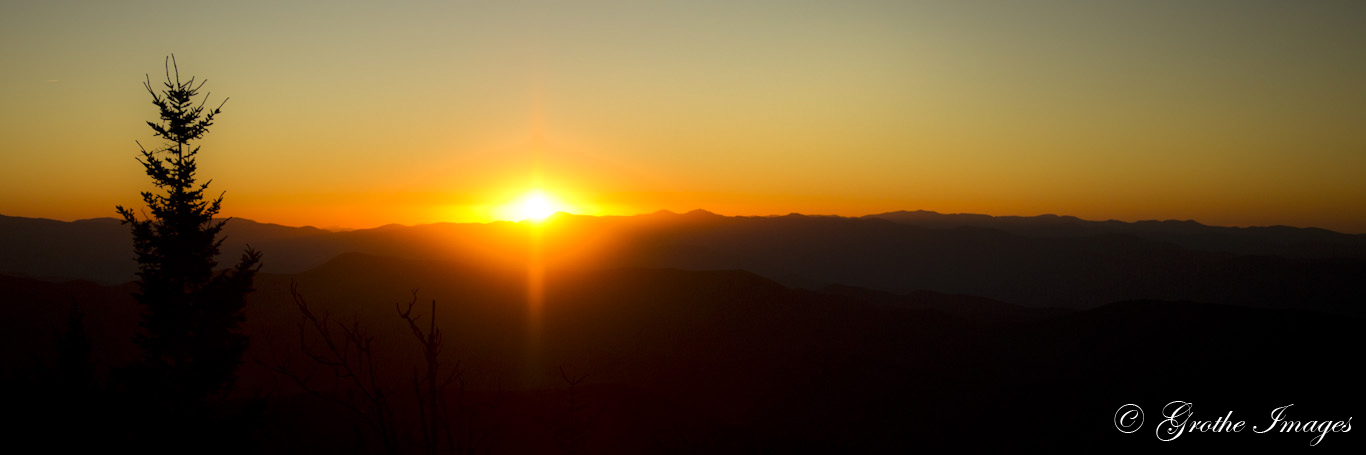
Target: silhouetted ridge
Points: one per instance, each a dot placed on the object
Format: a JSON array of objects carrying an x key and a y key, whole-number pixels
[
  {"x": 96, "y": 249},
  {"x": 1027, "y": 261},
  {"x": 699, "y": 213},
  {"x": 1268, "y": 240}
]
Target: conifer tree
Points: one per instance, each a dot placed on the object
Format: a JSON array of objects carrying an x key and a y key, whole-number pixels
[{"x": 189, "y": 328}]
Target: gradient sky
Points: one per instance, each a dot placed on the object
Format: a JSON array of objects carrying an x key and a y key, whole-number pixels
[{"x": 357, "y": 114}]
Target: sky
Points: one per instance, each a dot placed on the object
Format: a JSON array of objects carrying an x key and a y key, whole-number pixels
[{"x": 358, "y": 114}]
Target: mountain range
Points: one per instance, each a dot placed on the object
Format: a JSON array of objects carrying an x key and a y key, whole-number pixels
[
  {"x": 701, "y": 333},
  {"x": 1035, "y": 261}
]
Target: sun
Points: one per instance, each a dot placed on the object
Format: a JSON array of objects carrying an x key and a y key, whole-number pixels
[{"x": 535, "y": 205}]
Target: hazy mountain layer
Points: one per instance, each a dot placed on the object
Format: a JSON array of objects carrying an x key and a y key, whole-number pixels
[{"x": 1041, "y": 261}]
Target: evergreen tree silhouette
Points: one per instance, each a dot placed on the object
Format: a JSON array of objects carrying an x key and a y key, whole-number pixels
[
  {"x": 75, "y": 369},
  {"x": 188, "y": 332}
]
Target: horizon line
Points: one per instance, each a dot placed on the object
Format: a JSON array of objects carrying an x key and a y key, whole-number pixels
[{"x": 708, "y": 212}]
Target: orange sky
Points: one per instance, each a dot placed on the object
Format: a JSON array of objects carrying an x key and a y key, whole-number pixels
[{"x": 357, "y": 114}]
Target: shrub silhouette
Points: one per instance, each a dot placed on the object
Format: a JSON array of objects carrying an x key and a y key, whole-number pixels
[
  {"x": 188, "y": 333},
  {"x": 345, "y": 354}
]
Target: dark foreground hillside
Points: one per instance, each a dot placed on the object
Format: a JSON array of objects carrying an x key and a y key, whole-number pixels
[{"x": 633, "y": 360}]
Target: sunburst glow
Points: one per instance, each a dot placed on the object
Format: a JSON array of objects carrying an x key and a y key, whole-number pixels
[{"x": 534, "y": 205}]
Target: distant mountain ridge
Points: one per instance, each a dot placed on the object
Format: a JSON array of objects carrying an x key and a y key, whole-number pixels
[
  {"x": 1036, "y": 261},
  {"x": 101, "y": 249},
  {"x": 1256, "y": 240}
]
